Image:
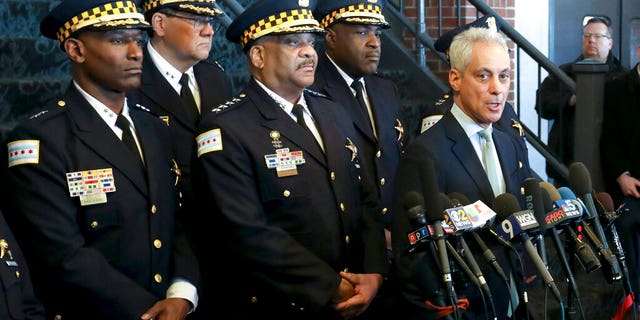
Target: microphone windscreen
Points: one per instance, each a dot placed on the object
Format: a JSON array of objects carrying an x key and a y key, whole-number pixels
[
  {"x": 551, "y": 190},
  {"x": 505, "y": 204},
  {"x": 533, "y": 198},
  {"x": 430, "y": 191},
  {"x": 606, "y": 201},
  {"x": 412, "y": 199},
  {"x": 459, "y": 197},
  {"x": 546, "y": 201},
  {"x": 579, "y": 178},
  {"x": 566, "y": 194},
  {"x": 445, "y": 201}
]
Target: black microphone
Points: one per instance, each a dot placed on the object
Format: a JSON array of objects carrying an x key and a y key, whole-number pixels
[
  {"x": 506, "y": 206},
  {"x": 413, "y": 203},
  {"x": 471, "y": 262},
  {"x": 605, "y": 208},
  {"x": 555, "y": 214},
  {"x": 487, "y": 254},
  {"x": 582, "y": 249},
  {"x": 580, "y": 181},
  {"x": 435, "y": 217},
  {"x": 533, "y": 200}
]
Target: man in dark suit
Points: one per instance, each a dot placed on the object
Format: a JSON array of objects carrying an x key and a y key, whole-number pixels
[
  {"x": 508, "y": 122},
  {"x": 351, "y": 54},
  {"x": 180, "y": 44},
  {"x": 480, "y": 79},
  {"x": 620, "y": 154},
  {"x": 91, "y": 182},
  {"x": 18, "y": 300},
  {"x": 298, "y": 241},
  {"x": 555, "y": 101}
]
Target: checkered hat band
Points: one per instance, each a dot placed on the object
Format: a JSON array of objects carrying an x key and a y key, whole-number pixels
[
  {"x": 108, "y": 12},
  {"x": 361, "y": 10},
  {"x": 281, "y": 22},
  {"x": 189, "y": 5}
]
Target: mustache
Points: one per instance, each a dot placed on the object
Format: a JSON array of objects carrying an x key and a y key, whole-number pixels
[{"x": 308, "y": 62}]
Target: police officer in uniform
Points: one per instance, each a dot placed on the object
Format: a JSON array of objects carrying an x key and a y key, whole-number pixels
[
  {"x": 299, "y": 241},
  {"x": 508, "y": 121},
  {"x": 92, "y": 183},
  {"x": 179, "y": 82},
  {"x": 347, "y": 74},
  {"x": 17, "y": 299}
]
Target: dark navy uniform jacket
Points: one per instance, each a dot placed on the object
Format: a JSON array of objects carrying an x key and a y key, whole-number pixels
[
  {"x": 286, "y": 236},
  {"x": 156, "y": 94},
  {"x": 382, "y": 154},
  {"x": 110, "y": 260},
  {"x": 457, "y": 169},
  {"x": 17, "y": 299}
]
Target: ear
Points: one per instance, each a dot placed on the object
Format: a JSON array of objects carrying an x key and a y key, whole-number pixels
[
  {"x": 455, "y": 77},
  {"x": 256, "y": 56},
  {"x": 157, "y": 22},
  {"x": 330, "y": 38},
  {"x": 74, "y": 49}
]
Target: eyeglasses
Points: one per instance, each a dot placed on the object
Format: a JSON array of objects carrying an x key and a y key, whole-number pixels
[
  {"x": 595, "y": 35},
  {"x": 198, "y": 22}
]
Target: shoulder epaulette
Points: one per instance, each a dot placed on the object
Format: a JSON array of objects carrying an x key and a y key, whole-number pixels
[
  {"x": 51, "y": 108},
  {"x": 218, "y": 64},
  {"x": 141, "y": 107},
  {"x": 442, "y": 100},
  {"x": 229, "y": 103},
  {"x": 315, "y": 93}
]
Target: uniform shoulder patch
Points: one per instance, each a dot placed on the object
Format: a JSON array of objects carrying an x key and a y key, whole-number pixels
[
  {"x": 23, "y": 152},
  {"x": 209, "y": 141},
  {"x": 229, "y": 103},
  {"x": 315, "y": 93}
]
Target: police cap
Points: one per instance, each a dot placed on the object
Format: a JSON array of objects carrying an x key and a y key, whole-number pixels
[
  {"x": 71, "y": 16},
  {"x": 367, "y": 12},
  {"x": 199, "y": 7},
  {"x": 268, "y": 17},
  {"x": 487, "y": 21}
]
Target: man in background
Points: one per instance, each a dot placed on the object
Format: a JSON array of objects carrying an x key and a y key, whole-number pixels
[
  {"x": 620, "y": 155},
  {"x": 555, "y": 101},
  {"x": 179, "y": 82}
]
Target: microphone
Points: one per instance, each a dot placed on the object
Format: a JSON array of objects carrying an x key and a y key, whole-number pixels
[
  {"x": 533, "y": 200},
  {"x": 580, "y": 180},
  {"x": 556, "y": 214},
  {"x": 516, "y": 222},
  {"x": 435, "y": 217},
  {"x": 413, "y": 203},
  {"x": 605, "y": 203},
  {"x": 471, "y": 261},
  {"x": 583, "y": 251},
  {"x": 487, "y": 254}
]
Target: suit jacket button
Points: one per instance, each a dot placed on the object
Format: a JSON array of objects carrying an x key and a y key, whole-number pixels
[
  {"x": 286, "y": 193},
  {"x": 157, "y": 243},
  {"x": 157, "y": 278},
  {"x": 254, "y": 299}
]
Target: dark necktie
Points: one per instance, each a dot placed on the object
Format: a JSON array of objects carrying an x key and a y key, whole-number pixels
[
  {"x": 187, "y": 97},
  {"x": 298, "y": 111},
  {"x": 359, "y": 88},
  {"x": 127, "y": 137}
]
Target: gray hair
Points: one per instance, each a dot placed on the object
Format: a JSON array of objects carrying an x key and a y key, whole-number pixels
[{"x": 462, "y": 45}]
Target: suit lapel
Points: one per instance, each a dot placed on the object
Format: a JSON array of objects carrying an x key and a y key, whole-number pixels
[
  {"x": 466, "y": 154},
  {"x": 99, "y": 137}
]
